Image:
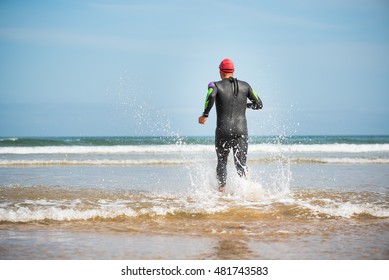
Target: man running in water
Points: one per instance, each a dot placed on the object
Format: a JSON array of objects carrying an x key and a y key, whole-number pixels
[{"x": 230, "y": 95}]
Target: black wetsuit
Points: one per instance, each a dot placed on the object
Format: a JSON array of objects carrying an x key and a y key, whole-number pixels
[{"x": 231, "y": 96}]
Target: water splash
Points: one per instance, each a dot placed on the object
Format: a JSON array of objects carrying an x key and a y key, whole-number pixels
[
  {"x": 201, "y": 173},
  {"x": 144, "y": 119}
]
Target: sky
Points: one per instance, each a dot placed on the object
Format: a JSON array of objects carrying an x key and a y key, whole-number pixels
[{"x": 125, "y": 68}]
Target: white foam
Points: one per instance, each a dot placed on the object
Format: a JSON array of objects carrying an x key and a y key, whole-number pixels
[
  {"x": 95, "y": 162},
  {"x": 69, "y": 210},
  {"x": 24, "y": 214},
  {"x": 319, "y": 148},
  {"x": 143, "y": 149},
  {"x": 9, "y": 139},
  {"x": 345, "y": 209},
  {"x": 159, "y": 210},
  {"x": 182, "y": 161},
  {"x": 166, "y": 149},
  {"x": 246, "y": 190},
  {"x": 340, "y": 160},
  {"x": 355, "y": 160}
]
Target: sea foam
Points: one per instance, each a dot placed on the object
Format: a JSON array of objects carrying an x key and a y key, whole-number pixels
[{"x": 196, "y": 148}]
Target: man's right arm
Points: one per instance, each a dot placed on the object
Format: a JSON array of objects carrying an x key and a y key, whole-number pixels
[{"x": 210, "y": 99}]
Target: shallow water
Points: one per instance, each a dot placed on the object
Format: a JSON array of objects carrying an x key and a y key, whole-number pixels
[{"x": 286, "y": 210}]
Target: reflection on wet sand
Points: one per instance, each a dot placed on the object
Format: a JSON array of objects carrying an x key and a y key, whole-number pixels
[{"x": 232, "y": 249}]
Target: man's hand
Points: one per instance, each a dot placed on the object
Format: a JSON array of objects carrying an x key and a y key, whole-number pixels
[
  {"x": 202, "y": 119},
  {"x": 255, "y": 106}
]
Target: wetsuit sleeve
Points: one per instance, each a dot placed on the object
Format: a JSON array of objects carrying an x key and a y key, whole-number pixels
[
  {"x": 210, "y": 99},
  {"x": 257, "y": 102}
]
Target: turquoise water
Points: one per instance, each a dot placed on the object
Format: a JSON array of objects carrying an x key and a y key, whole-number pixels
[{"x": 206, "y": 140}]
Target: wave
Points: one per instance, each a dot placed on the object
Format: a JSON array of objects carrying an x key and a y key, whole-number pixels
[
  {"x": 24, "y": 214},
  {"x": 142, "y": 149},
  {"x": 100, "y": 162},
  {"x": 320, "y": 148},
  {"x": 190, "y": 140},
  {"x": 166, "y": 149},
  {"x": 11, "y": 139},
  {"x": 300, "y": 210},
  {"x": 99, "y": 141},
  {"x": 29, "y": 204},
  {"x": 182, "y": 161},
  {"x": 339, "y": 160},
  {"x": 346, "y": 209}
]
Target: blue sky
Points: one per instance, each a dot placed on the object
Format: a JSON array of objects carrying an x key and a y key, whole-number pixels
[{"x": 112, "y": 68}]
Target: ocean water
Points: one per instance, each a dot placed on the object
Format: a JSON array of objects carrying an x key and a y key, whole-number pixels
[{"x": 307, "y": 197}]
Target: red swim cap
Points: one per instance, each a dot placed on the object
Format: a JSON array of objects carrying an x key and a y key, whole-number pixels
[{"x": 226, "y": 66}]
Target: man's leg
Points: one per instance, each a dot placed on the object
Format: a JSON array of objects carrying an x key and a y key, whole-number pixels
[
  {"x": 222, "y": 150},
  {"x": 240, "y": 155}
]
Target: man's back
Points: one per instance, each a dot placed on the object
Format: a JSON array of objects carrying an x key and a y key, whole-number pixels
[{"x": 231, "y": 100}]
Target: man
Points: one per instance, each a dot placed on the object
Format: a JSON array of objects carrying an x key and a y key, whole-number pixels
[{"x": 230, "y": 95}]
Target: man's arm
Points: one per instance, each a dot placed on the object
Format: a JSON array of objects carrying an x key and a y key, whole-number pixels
[
  {"x": 209, "y": 101},
  {"x": 256, "y": 101}
]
